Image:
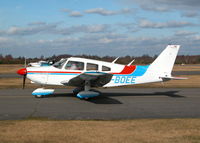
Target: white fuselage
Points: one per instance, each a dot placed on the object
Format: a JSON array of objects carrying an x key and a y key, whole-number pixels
[{"x": 122, "y": 75}]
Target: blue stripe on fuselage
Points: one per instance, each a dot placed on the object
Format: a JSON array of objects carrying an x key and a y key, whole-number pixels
[
  {"x": 130, "y": 78},
  {"x": 140, "y": 70}
]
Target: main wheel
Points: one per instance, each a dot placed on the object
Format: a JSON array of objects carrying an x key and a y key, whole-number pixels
[{"x": 77, "y": 90}]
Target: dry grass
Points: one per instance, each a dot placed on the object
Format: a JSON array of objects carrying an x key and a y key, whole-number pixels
[
  {"x": 187, "y": 68},
  {"x": 128, "y": 131},
  {"x": 9, "y": 68}
]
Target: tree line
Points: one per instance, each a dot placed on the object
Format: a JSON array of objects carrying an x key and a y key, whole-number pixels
[{"x": 145, "y": 59}]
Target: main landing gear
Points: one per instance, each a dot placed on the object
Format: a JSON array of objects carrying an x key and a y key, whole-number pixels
[{"x": 86, "y": 92}]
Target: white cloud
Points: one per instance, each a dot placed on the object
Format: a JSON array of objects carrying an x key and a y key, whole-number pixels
[
  {"x": 169, "y": 24},
  {"x": 100, "y": 44},
  {"x": 84, "y": 29},
  {"x": 54, "y": 29},
  {"x": 100, "y": 11},
  {"x": 166, "y": 4},
  {"x": 190, "y": 14},
  {"x": 31, "y": 29},
  {"x": 197, "y": 37},
  {"x": 153, "y": 8},
  {"x": 105, "y": 12},
  {"x": 185, "y": 33},
  {"x": 75, "y": 14},
  {"x": 4, "y": 39}
]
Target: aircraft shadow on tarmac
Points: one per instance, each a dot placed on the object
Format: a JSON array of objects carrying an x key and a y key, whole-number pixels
[{"x": 106, "y": 97}]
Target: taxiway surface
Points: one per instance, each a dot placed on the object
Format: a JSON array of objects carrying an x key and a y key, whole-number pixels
[{"x": 114, "y": 103}]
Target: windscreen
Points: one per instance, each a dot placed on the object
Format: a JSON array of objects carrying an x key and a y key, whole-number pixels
[{"x": 60, "y": 63}]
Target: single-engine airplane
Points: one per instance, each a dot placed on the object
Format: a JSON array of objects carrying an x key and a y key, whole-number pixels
[{"x": 85, "y": 74}]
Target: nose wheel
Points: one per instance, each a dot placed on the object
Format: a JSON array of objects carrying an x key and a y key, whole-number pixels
[{"x": 41, "y": 92}]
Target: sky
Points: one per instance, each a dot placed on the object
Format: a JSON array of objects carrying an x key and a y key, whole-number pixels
[{"x": 32, "y": 28}]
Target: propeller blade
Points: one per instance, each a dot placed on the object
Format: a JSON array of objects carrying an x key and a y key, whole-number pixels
[
  {"x": 24, "y": 81},
  {"x": 24, "y": 76},
  {"x": 25, "y": 62}
]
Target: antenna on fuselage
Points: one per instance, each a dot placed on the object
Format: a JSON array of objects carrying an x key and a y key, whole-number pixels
[
  {"x": 115, "y": 60},
  {"x": 131, "y": 62}
]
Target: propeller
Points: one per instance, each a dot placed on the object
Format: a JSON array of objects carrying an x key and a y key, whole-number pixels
[
  {"x": 24, "y": 76},
  {"x": 23, "y": 72},
  {"x": 24, "y": 81}
]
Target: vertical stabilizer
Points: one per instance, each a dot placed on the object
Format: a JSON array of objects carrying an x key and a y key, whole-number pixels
[{"x": 164, "y": 63}]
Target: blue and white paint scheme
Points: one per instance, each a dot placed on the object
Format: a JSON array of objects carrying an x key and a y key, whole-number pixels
[{"x": 87, "y": 73}]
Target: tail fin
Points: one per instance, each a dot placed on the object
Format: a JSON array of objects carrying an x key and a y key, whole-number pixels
[{"x": 164, "y": 63}]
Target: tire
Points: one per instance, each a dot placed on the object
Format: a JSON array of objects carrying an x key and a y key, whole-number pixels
[{"x": 77, "y": 90}]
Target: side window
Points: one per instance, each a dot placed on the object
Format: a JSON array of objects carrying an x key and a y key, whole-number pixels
[
  {"x": 104, "y": 68},
  {"x": 92, "y": 67},
  {"x": 73, "y": 65}
]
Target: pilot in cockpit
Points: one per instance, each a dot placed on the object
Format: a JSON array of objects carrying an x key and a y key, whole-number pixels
[{"x": 71, "y": 65}]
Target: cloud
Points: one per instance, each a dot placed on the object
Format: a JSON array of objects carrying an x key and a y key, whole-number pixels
[
  {"x": 128, "y": 27},
  {"x": 99, "y": 44},
  {"x": 54, "y": 29},
  {"x": 104, "y": 12},
  {"x": 185, "y": 33},
  {"x": 169, "y": 24},
  {"x": 150, "y": 8},
  {"x": 99, "y": 11},
  {"x": 37, "y": 23},
  {"x": 166, "y": 5},
  {"x": 72, "y": 13},
  {"x": 4, "y": 39},
  {"x": 190, "y": 14},
  {"x": 33, "y": 28},
  {"x": 75, "y": 14},
  {"x": 98, "y": 28}
]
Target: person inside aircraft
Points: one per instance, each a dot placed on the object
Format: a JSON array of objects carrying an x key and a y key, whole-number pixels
[{"x": 72, "y": 65}]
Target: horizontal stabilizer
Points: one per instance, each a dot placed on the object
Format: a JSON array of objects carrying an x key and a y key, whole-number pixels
[{"x": 173, "y": 78}]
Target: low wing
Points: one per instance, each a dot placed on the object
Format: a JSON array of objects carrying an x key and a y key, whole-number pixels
[{"x": 97, "y": 79}]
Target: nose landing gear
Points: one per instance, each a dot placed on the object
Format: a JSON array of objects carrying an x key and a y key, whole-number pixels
[{"x": 41, "y": 92}]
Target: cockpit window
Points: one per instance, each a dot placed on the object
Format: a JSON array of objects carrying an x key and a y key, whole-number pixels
[
  {"x": 91, "y": 67},
  {"x": 104, "y": 68},
  {"x": 73, "y": 65},
  {"x": 60, "y": 63}
]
